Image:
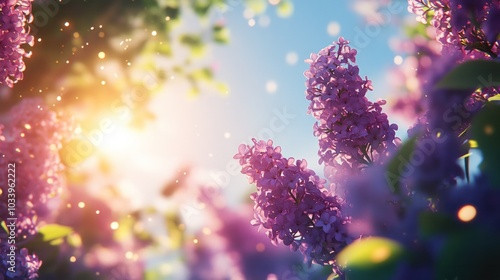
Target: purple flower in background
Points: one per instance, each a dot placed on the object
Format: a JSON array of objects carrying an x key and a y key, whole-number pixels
[
  {"x": 13, "y": 34},
  {"x": 26, "y": 265},
  {"x": 229, "y": 239},
  {"x": 350, "y": 128},
  {"x": 30, "y": 138},
  {"x": 461, "y": 24},
  {"x": 292, "y": 205}
]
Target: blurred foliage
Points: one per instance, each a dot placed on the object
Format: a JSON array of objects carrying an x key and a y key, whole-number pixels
[
  {"x": 90, "y": 55},
  {"x": 371, "y": 258},
  {"x": 471, "y": 75},
  {"x": 398, "y": 163},
  {"x": 485, "y": 128}
]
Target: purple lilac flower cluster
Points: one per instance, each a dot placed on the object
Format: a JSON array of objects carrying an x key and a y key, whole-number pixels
[
  {"x": 232, "y": 239},
  {"x": 26, "y": 265},
  {"x": 462, "y": 24},
  {"x": 292, "y": 204},
  {"x": 13, "y": 34},
  {"x": 30, "y": 138},
  {"x": 352, "y": 130}
]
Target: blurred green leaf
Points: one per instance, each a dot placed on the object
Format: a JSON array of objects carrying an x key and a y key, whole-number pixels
[
  {"x": 486, "y": 132},
  {"x": 172, "y": 13},
  {"x": 152, "y": 275},
  {"x": 52, "y": 232},
  {"x": 472, "y": 74},
  {"x": 257, "y": 6},
  {"x": 494, "y": 98},
  {"x": 175, "y": 230},
  {"x": 416, "y": 30},
  {"x": 4, "y": 226},
  {"x": 222, "y": 88},
  {"x": 370, "y": 258},
  {"x": 201, "y": 7},
  {"x": 203, "y": 74},
  {"x": 220, "y": 34},
  {"x": 395, "y": 167},
  {"x": 194, "y": 91},
  {"x": 195, "y": 44},
  {"x": 470, "y": 254},
  {"x": 285, "y": 9},
  {"x": 431, "y": 223}
]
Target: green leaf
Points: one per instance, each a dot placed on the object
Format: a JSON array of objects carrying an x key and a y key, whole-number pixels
[
  {"x": 220, "y": 34},
  {"x": 486, "y": 131},
  {"x": 398, "y": 164},
  {"x": 51, "y": 232},
  {"x": 195, "y": 44},
  {"x": 472, "y": 74},
  {"x": 431, "y": 223},
  {"x": 469, "y": 254},
  {"x": 152, "y": 275},
  {"x": 285, "y": 9},
  {"x": 172, "y": 13},
  {"x": 370, "y": 258},
  {"x": 4, "y": 226},
  {"x": 257, "y": 6},
  {"x": 175, "y": 230},
  {"x": 203, "y": 74},
  {"x": 201, "y": 7},
  {"x": 222, "y": 88}
]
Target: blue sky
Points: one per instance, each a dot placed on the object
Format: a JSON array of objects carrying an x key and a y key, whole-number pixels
[{"x": 206, "y": 131}]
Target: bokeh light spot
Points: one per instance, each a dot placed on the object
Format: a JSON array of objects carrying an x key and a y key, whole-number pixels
[
  {"x": 398, "y": 60},
  {"x": 114, "y": 225},
  {"x": 488, "y": 130},
  {"x": 129, "y": 255},
  {"x": 467, "y": 213},
  {"x": 292, "y": 58},
  {"x": 271, "y": 86},
  {"x": 207, "y": 231},
  {"x": 260, "y": 247},
  {"x": 333, "y": 28}
]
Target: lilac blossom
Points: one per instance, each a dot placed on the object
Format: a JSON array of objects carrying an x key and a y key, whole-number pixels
[
  {"x": 15, "y": 14},
  {"x": 461, "y": 24},
  {"x": 30, "y": 138},
  {"x": 292, "y": 205},
  {"x": 351, "y": 129},
  {"x": 26, "y": 264}
]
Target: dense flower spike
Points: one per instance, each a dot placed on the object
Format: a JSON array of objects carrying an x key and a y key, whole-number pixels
[
  {"x": 26, "y": 265},
  {"x": 13, "y": 34},
  {"x": 351, "y": 129},
  {"x": 463, "y": 24},
  {"x": 292, "y": 204},
  {"x": 30, "y": 138}
]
